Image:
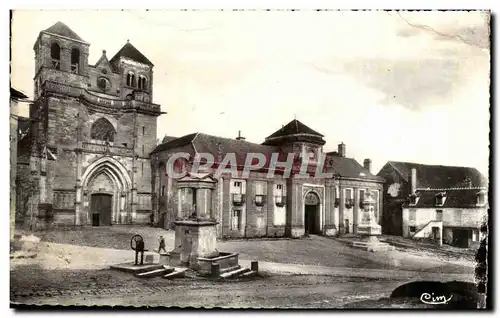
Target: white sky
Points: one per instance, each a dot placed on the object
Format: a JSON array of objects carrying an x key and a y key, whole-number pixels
[{"x": 388, "y": 90}]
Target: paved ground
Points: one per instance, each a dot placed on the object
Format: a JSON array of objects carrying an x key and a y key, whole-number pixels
[
  {"x": 315, "y": 250},
  {"x": 264, "y": 292},
  {"x": 71, "y": 269}
]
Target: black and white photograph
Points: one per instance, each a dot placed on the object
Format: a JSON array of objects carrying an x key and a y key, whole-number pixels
[{"x": 250, "y": 159}]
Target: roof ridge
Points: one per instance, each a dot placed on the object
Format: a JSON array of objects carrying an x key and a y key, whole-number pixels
[
  {"x": 453, "y": 188},
  {"x": 397, "y": 170},
  {"x": 430, "y": 165},
  {"x": 61, "y": 29},
  {"x": 192, "y": 142},
  {"x": 128, "y": 50}
]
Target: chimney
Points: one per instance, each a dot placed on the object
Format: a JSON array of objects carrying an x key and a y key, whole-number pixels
[
  {"x": 239, "y": 136},
  {"x": 341, "y": 149},
  {"x": 368, "y": 165},
  {"x": 413, "y": 181}
]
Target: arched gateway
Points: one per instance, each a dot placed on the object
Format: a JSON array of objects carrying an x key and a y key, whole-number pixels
[
  {"x": 312, "y": 213},
  {"x": 106, "y": 186}
]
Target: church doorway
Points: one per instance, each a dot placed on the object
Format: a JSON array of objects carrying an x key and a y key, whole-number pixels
[
  {"x": 311, "y": 214},
  {"x": 100, "y": 209}
]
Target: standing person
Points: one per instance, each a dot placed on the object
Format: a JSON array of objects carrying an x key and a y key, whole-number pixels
[
  {"x": 139, "y": 248},
  {"x": 162, "y": 244}
]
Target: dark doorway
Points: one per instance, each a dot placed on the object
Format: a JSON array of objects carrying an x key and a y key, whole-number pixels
[
  {"x": 462, "y": 237},
  {"x": 311, "y": 214},
  {"x": 436, "y": 234},
  {"x": 311, "y": 219},
  {"x": 100, "y": 208}
]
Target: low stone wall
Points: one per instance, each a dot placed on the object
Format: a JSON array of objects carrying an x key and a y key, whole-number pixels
[{"x": 225, "y": 260}]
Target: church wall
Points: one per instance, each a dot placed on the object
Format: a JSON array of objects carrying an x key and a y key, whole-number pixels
[{"x": 102, "y": 70}]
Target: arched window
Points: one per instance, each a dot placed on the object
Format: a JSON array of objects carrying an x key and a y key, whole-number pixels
[
  {"x": 131, "y": 79},
  {"x": 75, "y": 60},
  {"x": 142, "y": 82},
  {"x": 55, "y": 54},
  {"x": 102, "y": 129}
]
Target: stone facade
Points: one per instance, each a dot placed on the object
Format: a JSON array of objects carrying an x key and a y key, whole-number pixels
[
  {"x": 460, "y": 216},
  {"x": 94, "y": 128},
  {"x": 16, "y": 131},
  {"x": 259, "y": 206}
]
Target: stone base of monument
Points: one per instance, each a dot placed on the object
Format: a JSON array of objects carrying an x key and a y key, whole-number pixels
[
  {"x": 151, "y": 258},
  {"x": 225, "y": 260},
  {"x": 369, "y": 239},
  {"x": 372, "y": 244},
  {"x": 130, "y": 267}
]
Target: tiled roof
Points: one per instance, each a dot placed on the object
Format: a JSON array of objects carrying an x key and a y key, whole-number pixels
[
  {"x": 62, "y": 29},
  {"x": 15, "y": 94},
  {"x": 219, "y": 146},
  {"x": 349, "y": 168},
  {"x": 455, "y": 198},
  {"x": 293, "y": 128},
  {"x": 176, "y": 143},
  {"x": 204, "y": 143},
  {"x": 129, "y": 51},
  {"x": 167, "y": 139},
  {"x": 440, "y": 177}
]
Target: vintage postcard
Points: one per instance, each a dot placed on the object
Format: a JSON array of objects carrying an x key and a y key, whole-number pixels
[{"x": 250, "y": 158}]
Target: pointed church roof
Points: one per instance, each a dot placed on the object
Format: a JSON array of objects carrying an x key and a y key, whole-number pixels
[
  {"x": 294, "y": 131},
  {"x": 63, "y": 30},
  {"x": 129, "y": 51},
  {"x": 293, "y": 128},
  {"x": 104, "y": 62}
]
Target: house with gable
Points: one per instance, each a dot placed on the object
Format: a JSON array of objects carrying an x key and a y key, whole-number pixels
[{"x": 443, "y": 203}]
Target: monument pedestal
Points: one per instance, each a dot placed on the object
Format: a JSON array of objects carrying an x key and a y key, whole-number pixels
[
  {"x": 369, "y": 229},
  {"x": 197, "y": 238}
]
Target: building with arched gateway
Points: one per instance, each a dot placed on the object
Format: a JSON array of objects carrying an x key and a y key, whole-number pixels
[{"x": 265, "y": 202}]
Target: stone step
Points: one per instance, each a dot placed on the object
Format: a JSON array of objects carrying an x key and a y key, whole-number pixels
[
  {"x": 155, "y": 273},
  {"x": 249, "y": 274},
  {"x": 136, "y": 269},
  {"x": 373, "y": 247},
  {"x": 229, "y": 269},
  {"x": 177, "y": 273},
  {"x": 235, "y": 273}
]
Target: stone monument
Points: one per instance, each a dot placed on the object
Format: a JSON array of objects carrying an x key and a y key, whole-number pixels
[
  {"x": 195, "y": 225},
  {"x": 369, "y": 229}
]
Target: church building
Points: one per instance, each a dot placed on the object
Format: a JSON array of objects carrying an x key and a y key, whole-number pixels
[
  {"x": 88, "y": 156},
  {"x": 84, "y": 159}
]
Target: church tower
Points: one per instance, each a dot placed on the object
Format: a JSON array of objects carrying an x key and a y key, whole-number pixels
[
  {"x": 61, "y": 56},
  {"x": 136, "y": 73},
  {"x": 94, "y": 127}
]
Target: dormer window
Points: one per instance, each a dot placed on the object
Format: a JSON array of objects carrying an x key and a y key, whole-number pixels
[
  {"x": 75, "y": 61},
  {"x": 413, "y": 199},
  {"x": 440, "y": 198},
  {"x": 55, "y": 54},
  {"x": 481, "y": 198}
]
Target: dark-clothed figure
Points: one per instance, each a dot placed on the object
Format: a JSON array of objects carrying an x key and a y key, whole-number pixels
[
  {"x": 162, "y": 245},
  {"x": 139, "y": 248}
]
